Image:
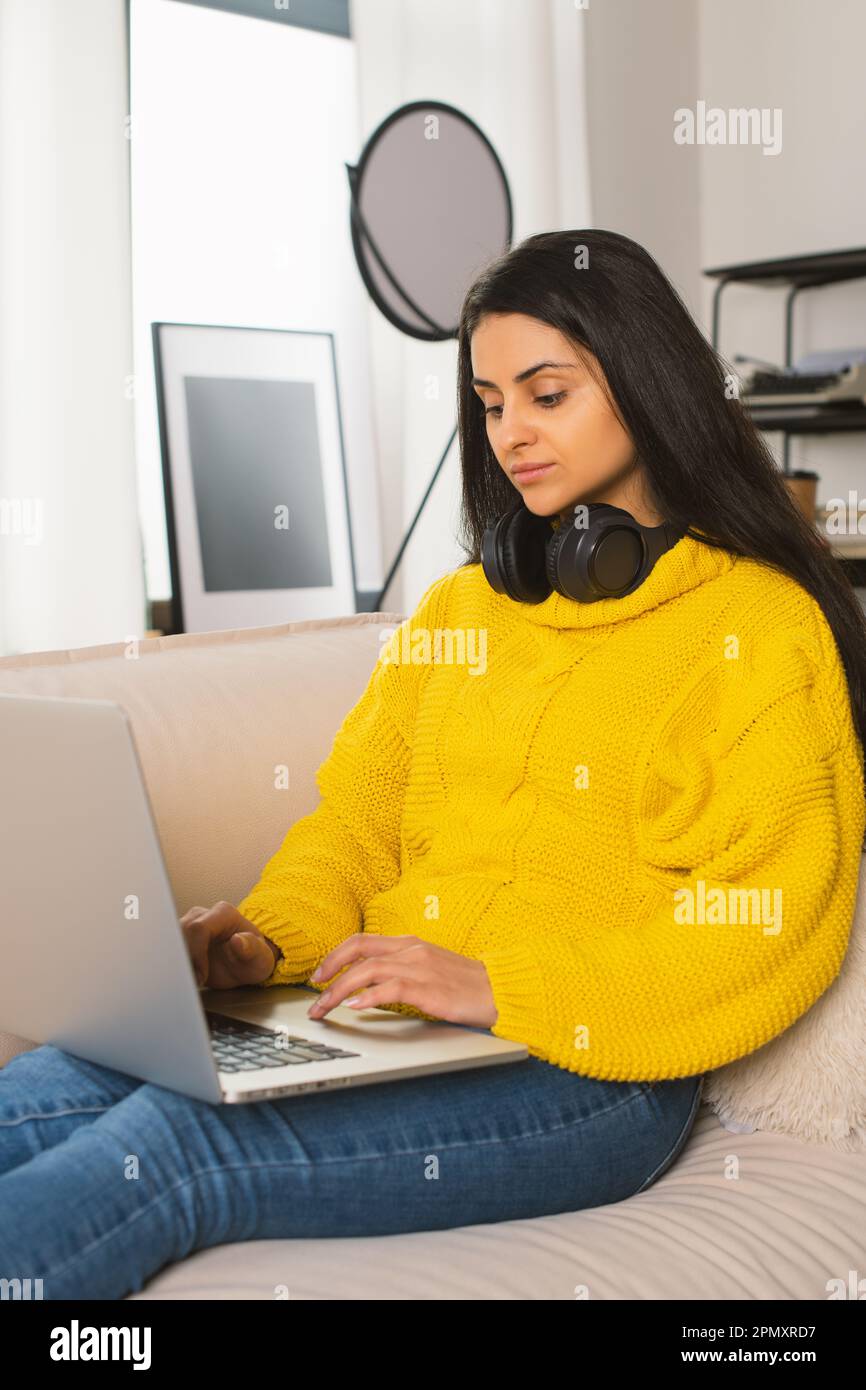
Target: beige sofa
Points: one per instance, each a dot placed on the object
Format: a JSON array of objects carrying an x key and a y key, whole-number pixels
[{"x": 756, "y": 1216}]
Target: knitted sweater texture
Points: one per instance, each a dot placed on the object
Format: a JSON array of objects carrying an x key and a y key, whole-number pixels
[{"x": 644, "y": 815}]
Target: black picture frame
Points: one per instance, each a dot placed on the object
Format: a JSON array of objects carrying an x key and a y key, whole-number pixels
[{"x": 179, "y": 613}]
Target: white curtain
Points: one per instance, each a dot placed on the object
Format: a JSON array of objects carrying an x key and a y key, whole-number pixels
[
  {"x": 516, "y": 67},
  {"x": 70, "y": 550},
  {"x": 71, "y": 570}
]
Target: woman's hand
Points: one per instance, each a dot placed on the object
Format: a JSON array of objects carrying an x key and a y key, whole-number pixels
[
  {"x": 406, "y": 970},
  {"x": 226, "y": 949}
]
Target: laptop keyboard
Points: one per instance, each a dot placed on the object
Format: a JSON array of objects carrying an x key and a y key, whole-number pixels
[{"x": 242, "y": 1046}]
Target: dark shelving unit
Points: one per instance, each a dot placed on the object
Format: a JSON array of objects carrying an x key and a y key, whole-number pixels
[
  {"x": 809, "y": 419},
  {"x": 799, "y": 273}
]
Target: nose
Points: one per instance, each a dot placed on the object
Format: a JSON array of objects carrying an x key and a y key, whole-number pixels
[{"x": 514, "y": 428}]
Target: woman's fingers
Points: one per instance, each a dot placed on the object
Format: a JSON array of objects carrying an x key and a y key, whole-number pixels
[
  {"x": 197, "y": 939},
  {"x": 225, "y": 948},
  {"x": 393, "y": 991},
  {"x": 198, "y": 931},
  {"x": 397, "y": 969},
  {"x": 438, "y": 983},
  {"x": 357, "y": 947},
  {"x": 244, "y": 959}
]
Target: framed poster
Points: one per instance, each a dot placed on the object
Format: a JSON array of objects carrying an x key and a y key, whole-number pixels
[{"x": 256, "y": 496}]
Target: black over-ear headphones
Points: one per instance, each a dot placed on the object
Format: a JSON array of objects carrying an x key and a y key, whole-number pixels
[{"x": 524, "y": 557}]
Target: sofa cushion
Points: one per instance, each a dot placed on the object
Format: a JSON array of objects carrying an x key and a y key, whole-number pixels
[
  {"x": 810, "y": 1081},
  {"x": 214, "y": 716},
  {"x": 760, "y": 1217}
]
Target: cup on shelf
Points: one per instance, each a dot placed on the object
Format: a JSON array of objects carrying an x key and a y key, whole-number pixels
[{"x": 803, "y": 487}]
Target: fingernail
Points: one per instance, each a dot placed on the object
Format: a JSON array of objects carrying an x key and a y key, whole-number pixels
[
  {"x": 353, "y": 1003},
  {"x": 317, "y": 974}
]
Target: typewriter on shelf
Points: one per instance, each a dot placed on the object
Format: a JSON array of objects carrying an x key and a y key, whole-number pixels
[{"x": 834, "y": 378}]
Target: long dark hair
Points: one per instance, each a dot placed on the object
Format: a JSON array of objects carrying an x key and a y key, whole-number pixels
[{"x": 710, "y": 470}]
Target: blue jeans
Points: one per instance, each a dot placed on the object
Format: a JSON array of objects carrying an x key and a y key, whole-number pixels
[{"x": 105, "y": 1180}]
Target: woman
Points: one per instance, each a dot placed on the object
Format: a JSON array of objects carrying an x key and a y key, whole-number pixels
[{"x": 551, "y": 842}]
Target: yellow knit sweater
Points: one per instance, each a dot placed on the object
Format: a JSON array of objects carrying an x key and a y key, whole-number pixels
[{"x": 645, "y": 815}]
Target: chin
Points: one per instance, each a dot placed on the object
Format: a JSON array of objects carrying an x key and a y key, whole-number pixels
[{"x": 541, "y": 502}]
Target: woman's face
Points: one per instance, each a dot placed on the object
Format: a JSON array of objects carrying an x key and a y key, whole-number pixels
[{"x": 543, "y": 407}]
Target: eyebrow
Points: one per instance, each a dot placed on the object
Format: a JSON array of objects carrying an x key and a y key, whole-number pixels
[{"x": 523, "y": 376}]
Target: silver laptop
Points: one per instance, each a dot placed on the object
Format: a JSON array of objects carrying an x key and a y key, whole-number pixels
[{"x": 94, "y": 958}]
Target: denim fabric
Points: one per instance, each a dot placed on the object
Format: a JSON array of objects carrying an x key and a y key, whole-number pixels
[{"x": 105, "y": 1180}]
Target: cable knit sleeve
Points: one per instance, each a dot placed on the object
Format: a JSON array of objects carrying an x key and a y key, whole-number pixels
[
  {"x": 748, "y": 832},
  {"x": 312, "y": 893}
]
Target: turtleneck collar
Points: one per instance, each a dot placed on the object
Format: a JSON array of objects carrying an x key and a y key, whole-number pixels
[{"x": 687, "y": 564}]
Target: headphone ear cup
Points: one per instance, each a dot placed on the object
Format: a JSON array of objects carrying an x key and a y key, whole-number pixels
[
  {"x": 551, "y": 553},
  {"x": 606, "y": 559},
  {"x": 513, "y": 555},
  {"x": 597, "y": 561}
]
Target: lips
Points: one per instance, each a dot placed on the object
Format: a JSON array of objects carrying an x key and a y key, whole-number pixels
[{"x": 524, "y": 472}]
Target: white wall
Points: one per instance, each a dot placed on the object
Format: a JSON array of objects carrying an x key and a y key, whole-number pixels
[
  {"x": 641, "y": 64},
  {"x": 66, "y": 430},
  {"x": 516, "y": 70},
  {"x": 806, "y": 59},
  {"x": 699, "y": 206}
]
